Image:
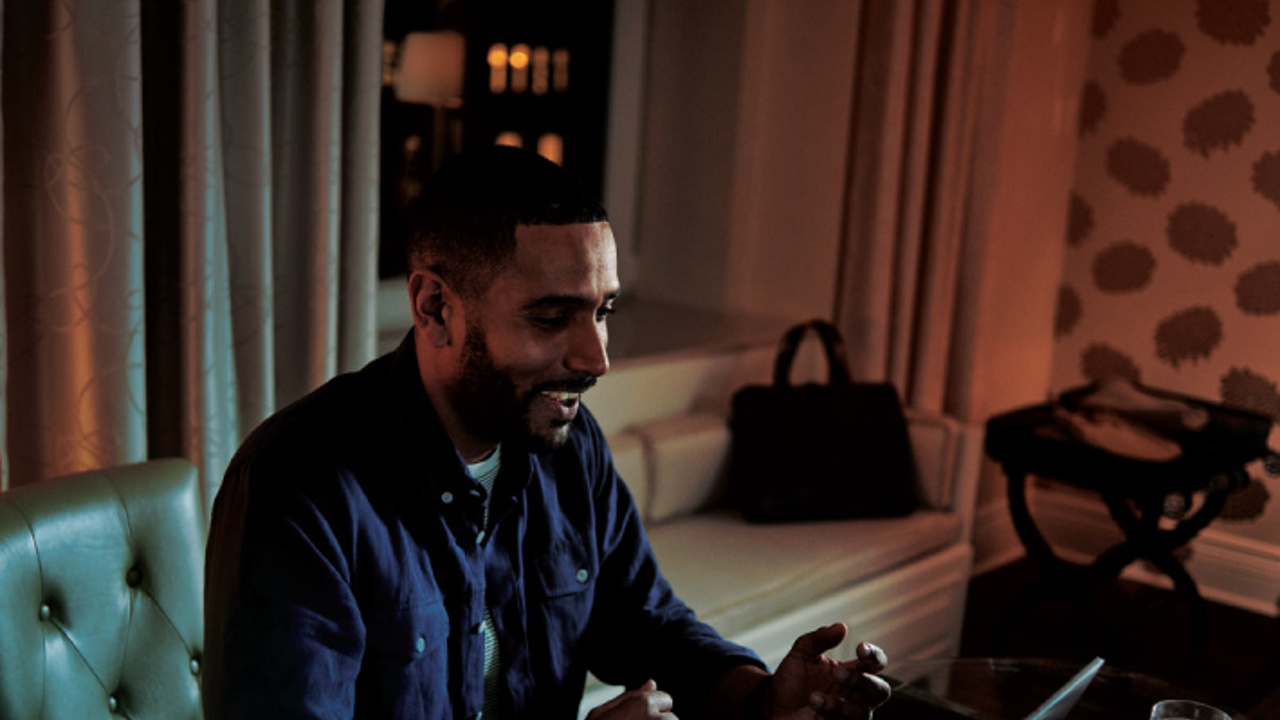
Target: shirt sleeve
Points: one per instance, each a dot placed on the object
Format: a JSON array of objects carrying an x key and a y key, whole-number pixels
[
  {"x": 283, "y": 634},
  {"x": 639, "y": 628}
]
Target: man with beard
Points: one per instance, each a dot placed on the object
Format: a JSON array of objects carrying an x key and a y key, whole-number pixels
[{"x": 443, "y": 535}]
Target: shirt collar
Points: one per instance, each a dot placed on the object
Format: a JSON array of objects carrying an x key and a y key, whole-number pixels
[{"x": 432, "y": 449}]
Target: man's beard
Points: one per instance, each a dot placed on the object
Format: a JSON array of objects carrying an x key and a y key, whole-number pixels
[{"x": 491, "y": 407}]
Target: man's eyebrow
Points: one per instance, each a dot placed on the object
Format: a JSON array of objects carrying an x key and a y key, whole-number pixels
[{"x": 570, "y": 301}]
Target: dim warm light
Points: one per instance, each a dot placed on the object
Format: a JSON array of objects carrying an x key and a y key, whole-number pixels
[
  {"x": 560, "y": 65},
  {"x": 551, "y": 147},
  {"x": 541, "y": 70},
  {"x": 431, "y": 69},
  {"x": 509, "y": 138},
  {"x": 519, "y": 62},
  {"x": 497, "y": 68},
  {"x": 520, "y": 57}
]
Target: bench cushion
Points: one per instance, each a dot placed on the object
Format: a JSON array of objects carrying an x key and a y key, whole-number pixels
[{"x": 735, "y": 574}]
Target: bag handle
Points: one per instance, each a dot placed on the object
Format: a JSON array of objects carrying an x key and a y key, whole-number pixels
[{"x": 832, "y": 347}]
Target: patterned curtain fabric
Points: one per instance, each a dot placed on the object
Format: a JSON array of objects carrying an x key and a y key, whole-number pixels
[
  {"x": 908, "y": 264},
  {"x": 190, "y": 209}
]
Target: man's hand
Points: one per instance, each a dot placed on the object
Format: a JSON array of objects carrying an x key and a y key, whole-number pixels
[
  {"x": 809, "y": 685},
  {"x": 646, "y": 701}
]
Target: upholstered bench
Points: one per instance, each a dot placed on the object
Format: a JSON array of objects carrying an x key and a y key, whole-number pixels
[{"x": 900, "y": 582}]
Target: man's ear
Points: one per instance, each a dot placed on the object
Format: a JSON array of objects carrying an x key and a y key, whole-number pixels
[{"x": 432, "y": 302}]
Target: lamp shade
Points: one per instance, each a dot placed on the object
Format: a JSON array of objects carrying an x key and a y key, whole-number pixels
[{"x": 431, "y": 69}]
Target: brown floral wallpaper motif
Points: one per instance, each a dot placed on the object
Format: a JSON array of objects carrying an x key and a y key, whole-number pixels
[
  {"x": 1218, "y": 123},
  {"x": 1201, "y": 233},
  {"x": 1172, "y": 275}
]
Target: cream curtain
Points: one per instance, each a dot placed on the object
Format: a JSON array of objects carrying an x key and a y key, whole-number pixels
[
  {"x": 190, "y": 222},
  {"x": 909, "y": 268}
]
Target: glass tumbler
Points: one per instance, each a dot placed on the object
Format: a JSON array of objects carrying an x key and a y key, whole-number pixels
[{"x": 1186, "y": 710}]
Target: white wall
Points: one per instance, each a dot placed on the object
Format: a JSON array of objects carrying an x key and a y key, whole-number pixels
[{"x": 745, "y": 146}]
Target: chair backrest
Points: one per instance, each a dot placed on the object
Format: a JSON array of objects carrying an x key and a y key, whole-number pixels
[{"x": 101, "y": 595}]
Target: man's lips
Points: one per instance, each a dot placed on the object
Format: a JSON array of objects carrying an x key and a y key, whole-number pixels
[
  {"x": 563, "y": 396},
  {"x": 563, "y": 405}
]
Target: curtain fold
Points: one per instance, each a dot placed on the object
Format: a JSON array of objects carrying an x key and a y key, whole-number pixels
[
  {"x": 73, "y": 240},
  {"x": 248, "y": 133},
  {"x": 905, "y": 251}
]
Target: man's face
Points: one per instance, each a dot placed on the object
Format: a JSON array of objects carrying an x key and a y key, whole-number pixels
[{"x": 535, "y": 340}]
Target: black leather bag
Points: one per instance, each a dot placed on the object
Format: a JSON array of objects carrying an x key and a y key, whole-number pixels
[{"x": 820, "y": 452}]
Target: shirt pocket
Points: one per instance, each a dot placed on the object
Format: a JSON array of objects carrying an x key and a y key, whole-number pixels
[
  {"x": 564, "y": 571},
  {"x": 409, "y": 633},
  {"x": 404, "y": 672},
  {"x": 562, "y": 594}
]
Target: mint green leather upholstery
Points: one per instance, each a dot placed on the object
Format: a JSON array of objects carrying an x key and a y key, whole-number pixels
[{"x": 101, "y": 595}]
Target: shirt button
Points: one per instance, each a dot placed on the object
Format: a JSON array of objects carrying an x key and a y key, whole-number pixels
[
  {"x": 420, "y": 645},
  {"x": 446, "y": 497},
  {"x": 582, "y": 575}
]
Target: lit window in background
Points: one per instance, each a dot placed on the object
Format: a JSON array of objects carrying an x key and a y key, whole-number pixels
[
  {"x": 389, "y": 51},
  {"x": 551, "y": 147},
  {"x": 519, "y": 62},
  {"x": 509, "y": 138},
  {"x": 541, "y": 70},
  {"x": 560, "y": 63},
  {"x": 498, "y": 69}
]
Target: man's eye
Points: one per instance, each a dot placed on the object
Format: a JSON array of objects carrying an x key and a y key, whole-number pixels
[
  {"x": 550, "y": 322},
  {"x": 604, "y": 312}
]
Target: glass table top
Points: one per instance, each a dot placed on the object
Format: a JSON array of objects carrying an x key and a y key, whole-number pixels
[{"x": 1011, "y": 688}]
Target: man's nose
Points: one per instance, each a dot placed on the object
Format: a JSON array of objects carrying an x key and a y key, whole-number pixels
[{"x": 587, "y": 349}]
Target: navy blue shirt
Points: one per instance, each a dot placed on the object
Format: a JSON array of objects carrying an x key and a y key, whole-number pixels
[{"x": 345, "y": 576}]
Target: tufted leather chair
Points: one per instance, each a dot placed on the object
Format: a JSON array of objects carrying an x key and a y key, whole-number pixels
[{"x": 101, "y": 592}]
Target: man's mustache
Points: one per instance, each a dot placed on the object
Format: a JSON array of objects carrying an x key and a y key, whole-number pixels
[{"x": 577, "y": 384}]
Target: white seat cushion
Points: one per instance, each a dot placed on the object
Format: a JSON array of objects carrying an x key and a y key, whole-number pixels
[
  {"x": 735, "y": 574},
  {"x": 629, "y": 460},
  {"x": 687, "y": 456}
]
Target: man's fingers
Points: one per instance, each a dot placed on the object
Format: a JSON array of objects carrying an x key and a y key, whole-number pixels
[
  {"x": 657, "y": 702},
  {"x": 873, "y": 690},
  {"x": 644, "y": 701},
  {"x": 812, "y": 645},
  {"x": 873, "y": 658},
  {"x": 836, "y": 706}
]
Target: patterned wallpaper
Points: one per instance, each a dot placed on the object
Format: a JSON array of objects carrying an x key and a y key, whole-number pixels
[{"x": 1172, "y": 274}]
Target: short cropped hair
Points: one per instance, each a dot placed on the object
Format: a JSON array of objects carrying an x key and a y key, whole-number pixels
[{"x": 463, "y": 225}]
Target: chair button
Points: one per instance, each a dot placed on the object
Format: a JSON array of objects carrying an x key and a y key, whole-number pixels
[
  {"x": 133, "y": 578},
  {"x": 45, "y": 613},
  {"x": 582, "y": 575},
  {"x": 112, "y": 703},
  {"x": 446, "y": 497},
  {"x": 420, "y": 645},
  {"x": 195, "y": 666}
]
